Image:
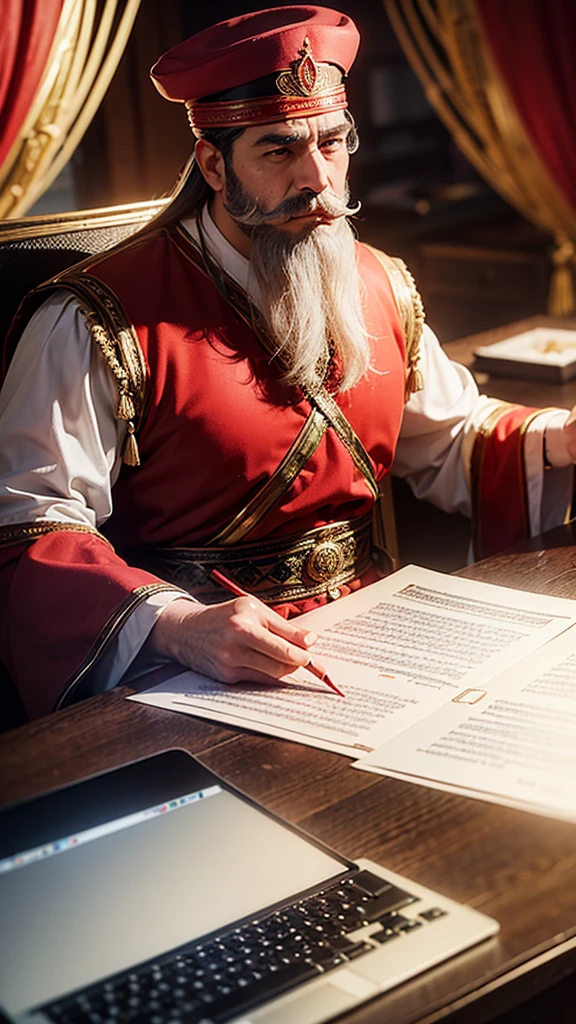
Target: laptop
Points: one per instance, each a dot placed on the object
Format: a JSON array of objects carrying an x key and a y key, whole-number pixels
[{"x": 158, "y": 893}]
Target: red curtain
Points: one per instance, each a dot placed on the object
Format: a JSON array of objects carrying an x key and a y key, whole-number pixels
[
  {"x": 533, "y": 43},
  {"x": 28, "y": 28}
]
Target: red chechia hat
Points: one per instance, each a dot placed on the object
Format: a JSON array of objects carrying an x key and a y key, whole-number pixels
[{"x": 285, "y": 62}]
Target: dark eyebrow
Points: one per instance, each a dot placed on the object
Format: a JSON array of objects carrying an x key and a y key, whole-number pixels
[
  {"x": 277, "y": 139},
  {"x": 338, "y": 129}
]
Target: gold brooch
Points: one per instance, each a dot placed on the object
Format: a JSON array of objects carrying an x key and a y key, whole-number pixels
[
  {"x": 306, "y": 77},
  {"x": 325, "y": 561}
]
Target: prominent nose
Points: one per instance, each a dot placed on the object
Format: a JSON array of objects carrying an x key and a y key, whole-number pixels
[{"x": 310, "y": 172}]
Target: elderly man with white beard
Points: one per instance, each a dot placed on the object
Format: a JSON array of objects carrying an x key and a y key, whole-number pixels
[{"x": 227, "y": 390}]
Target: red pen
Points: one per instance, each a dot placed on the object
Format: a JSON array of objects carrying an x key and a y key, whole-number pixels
[{"x": 223, "y": 580}]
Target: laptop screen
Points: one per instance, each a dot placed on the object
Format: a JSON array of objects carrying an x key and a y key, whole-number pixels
[{"x": 129, "y": 865}]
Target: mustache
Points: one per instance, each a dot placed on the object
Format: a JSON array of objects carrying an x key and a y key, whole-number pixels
[{"x": 246, "y": 209}]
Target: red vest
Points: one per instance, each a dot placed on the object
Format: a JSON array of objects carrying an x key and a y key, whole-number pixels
[{"x": 217, "y": 422}]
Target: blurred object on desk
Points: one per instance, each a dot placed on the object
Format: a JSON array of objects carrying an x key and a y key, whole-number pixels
[
  {"x": 536, "y": 392},
  {"x": 544, "y": 353}
]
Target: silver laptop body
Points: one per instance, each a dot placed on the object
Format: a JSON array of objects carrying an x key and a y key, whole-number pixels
[{"x": 156, "y": 892}]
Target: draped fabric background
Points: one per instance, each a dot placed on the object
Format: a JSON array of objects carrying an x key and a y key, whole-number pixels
[
  {"x": 137, "y": 140},
  {"x": 534, "y": 44},
  {"x": 57, "y": 58},
  {"x": 501, "y": 75},
  {"x": 28, "y": 29}
]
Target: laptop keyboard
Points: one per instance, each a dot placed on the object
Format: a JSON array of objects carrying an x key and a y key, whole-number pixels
[{"x": 217, "y": 979}]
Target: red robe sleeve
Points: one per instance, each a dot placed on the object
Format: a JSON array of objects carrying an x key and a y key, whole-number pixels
[
  {"x": 63, "y": 600},
  {"x": 500, "y": 509}
]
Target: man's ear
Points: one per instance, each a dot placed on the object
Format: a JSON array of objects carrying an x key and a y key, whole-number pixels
[{"x": 211, "y": 163}]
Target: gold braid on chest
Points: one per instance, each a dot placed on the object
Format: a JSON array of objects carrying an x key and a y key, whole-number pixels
[{"x": 411, "y": 312}]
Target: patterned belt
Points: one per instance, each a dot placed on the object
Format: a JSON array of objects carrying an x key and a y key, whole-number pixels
[{"x": 288, "y": 569}]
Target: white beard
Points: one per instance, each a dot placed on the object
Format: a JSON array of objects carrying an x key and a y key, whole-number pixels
[
  {"x": 308, "y": 285},
  {"x": 310, "y": 299}
]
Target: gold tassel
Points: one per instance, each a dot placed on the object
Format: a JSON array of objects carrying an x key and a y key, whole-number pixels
[
  {"x": 418, "y": 383},
  {"x": 126, "y": 409},
  {"x": 131, "y": 454},
  {"x": 414, "y": 381},
  {"x": 562, "y": 297}
]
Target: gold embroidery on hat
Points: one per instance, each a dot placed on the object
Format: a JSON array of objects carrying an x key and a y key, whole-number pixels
[{"x": 306, "y": 77}]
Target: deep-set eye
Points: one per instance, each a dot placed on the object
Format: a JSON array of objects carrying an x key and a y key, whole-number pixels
[{"x": 332, "y": 145}]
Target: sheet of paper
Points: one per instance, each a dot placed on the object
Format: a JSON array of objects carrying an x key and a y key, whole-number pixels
[
  {"x": 307, "y": 713},
  {"x": 511, "y": 742},
  {"x": 398, "y": 649}
]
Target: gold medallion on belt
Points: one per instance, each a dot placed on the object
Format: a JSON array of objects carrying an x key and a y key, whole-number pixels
[
  {"x": 320, "y": 561},
  {"x": 325, "y": 561}
]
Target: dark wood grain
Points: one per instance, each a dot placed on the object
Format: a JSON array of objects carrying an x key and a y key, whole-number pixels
[
  {"x": 530, "y": 566},
  {"x": 517, "y": 867}
]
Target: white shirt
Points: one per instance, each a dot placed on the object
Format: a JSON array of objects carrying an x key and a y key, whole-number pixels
[{"x": 59, "y": 459}]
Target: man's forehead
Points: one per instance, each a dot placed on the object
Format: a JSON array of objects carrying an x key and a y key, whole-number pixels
[{"x": 301, "y": 129}]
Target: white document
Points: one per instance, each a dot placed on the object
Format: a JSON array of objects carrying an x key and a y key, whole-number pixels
[
  {"x": 398, "y": 649},
  {"x": 511, "y": 742}
]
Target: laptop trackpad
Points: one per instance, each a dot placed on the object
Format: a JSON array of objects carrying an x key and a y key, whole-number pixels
[{"x": 320, "y": 1002}]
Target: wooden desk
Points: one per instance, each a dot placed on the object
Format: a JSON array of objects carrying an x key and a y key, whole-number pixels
[
  {"x": 511, "y": 389},
  {"x": 517, "y": 867}
]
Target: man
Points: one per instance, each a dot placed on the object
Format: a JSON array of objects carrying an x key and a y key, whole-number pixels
[{"x": 229, "y": 389}]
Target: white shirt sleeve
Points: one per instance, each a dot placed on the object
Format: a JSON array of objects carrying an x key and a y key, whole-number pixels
[
  {"x": 438, "y": 430},
  {"x": 59, "y": 437},
  {"x": 429, "y": 452},
  {"x": 60, "y": 445}
]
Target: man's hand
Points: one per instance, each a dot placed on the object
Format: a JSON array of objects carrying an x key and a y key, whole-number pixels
[{"x": 240, "y": 639}]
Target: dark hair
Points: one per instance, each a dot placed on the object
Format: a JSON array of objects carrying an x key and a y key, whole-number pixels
[{"x": 191, "y": 192}]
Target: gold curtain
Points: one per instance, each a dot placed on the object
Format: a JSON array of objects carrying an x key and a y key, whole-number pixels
[
  {"x": 444, "y": 44},
  {"x": 89, "y": 42}
]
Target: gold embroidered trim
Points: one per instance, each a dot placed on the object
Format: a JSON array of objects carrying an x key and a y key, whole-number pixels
[
  {"x": 412, "y": 315},
  {"x": 114, "y": 334},
  {"x": 306, "y": 77},
  {"x": 333, "y": 413},
  {"x": 288, "y": 568},
  {"x": 244, "y": 113},
  {"x": 21, "y": 532},
  {"x": 281, "y": 480},
  {"x": 523, "y": 431},
  {"x": 305, "y": 88},
  {"x": 108, "y": 634}
]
